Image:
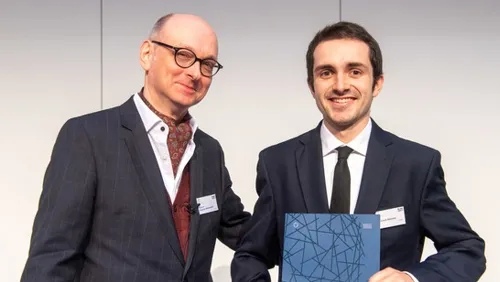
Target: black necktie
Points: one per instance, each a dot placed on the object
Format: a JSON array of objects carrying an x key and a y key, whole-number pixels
[{"x": 341, "y": 192}]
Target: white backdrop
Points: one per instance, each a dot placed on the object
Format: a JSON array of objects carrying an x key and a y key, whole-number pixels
[{"x": 440, "y": 60}]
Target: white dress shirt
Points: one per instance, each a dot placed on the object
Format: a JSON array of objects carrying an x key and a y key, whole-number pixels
[
  {"x": 355, "y": 161},
  {"x": 157, "y": 131}
]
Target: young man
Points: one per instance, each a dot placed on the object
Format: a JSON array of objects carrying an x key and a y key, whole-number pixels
[{"x": 348, "y": 164}]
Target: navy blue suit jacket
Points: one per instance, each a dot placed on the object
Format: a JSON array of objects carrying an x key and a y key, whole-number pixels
[
  {"x": 397, "y": 172},
  {"x": 104, "y": 214}
]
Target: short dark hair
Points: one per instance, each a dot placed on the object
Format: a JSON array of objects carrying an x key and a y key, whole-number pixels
[{"x": 345, "y": 30}]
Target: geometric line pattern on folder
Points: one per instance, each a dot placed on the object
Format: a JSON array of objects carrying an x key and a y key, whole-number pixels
[{"x": 324, "y": 247}]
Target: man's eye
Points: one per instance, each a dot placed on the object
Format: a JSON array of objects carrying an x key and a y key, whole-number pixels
[
  {"x": 325, "y": 73},
  {"x": 356, "y": 72}
]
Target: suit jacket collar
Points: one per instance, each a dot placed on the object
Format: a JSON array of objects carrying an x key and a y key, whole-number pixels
[
  {"x": 197, "y": 167},
  {"x": 378, "y": 163},
  {"x": 147, "y": 169},
  {"x": 309, "y": 161}
]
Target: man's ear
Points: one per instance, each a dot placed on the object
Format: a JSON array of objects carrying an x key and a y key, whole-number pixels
[
  {"x": 146, "y": 55},
  {"x": 377, "y": 88}
]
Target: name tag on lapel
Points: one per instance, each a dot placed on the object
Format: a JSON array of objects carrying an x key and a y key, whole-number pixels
[
  {"x": 392, "y": 217},
  {"x": 207, "y": 204}
]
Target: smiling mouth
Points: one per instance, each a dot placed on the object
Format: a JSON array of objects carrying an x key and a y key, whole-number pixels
[
  {"x": 342, "y": 101},
  {"x": 188, "y": 87}
]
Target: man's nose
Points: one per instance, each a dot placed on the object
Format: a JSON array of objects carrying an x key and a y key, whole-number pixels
[
  {"x": 194, "y": 70},
  {"x": 341, "y": 85}
]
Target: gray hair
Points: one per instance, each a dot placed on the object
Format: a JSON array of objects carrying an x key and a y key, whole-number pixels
[{"x": 159, "y": 24}]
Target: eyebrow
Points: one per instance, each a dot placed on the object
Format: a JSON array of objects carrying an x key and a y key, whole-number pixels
[
  {"x": 356, "y": 65},
  {"x": 349, "y": 65},
  {"x": 322, "y": 67},
  {"x": 192, "y": 50}
]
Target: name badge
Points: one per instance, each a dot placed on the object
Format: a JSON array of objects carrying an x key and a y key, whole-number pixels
[
  {"x": 207, "y": 204},
  {"x": 392, "y": 217}
]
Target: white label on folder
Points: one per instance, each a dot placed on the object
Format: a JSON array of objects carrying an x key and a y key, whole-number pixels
[
  {"x": 392, "y": 217},
  {"x": 207, "y": 204}
]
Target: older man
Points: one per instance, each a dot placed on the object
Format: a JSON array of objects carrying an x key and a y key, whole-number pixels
[{"x": 138, "y": 192}]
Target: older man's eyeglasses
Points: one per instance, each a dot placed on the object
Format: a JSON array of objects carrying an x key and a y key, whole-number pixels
[{"x": 185, "y": 58}]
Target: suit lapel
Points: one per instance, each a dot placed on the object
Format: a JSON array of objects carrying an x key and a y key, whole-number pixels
[
  {"x": 378, "y": 162},
  {"x": 196, "y": 167},
  {"x": 309, "y": 160},
  {"x": 149, "y": 173}
]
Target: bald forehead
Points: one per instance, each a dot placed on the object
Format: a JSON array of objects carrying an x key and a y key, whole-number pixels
[
  {"x": 191, "y": 21},
  {"x": 184, "y": 30}
]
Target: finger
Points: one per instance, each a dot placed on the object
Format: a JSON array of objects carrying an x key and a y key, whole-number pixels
[
  {"x": 396, "y": 276},
  {"x": 381, "y": 275}
]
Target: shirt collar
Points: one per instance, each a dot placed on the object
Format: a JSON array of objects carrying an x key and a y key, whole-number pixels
[
  {"x": 151, "y": 120},
  {"x": 359, "y": 144}
]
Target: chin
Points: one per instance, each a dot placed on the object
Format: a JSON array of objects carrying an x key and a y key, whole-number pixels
[
  {"x": 342, "y": 123},
  {"x": 186, "y": 102}
]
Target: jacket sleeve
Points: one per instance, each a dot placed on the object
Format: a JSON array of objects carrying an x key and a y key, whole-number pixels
[
  {"x": 62, "y": 222},
  {"x": 259, "y": 248},
  {"x": 460, "y": 255}
]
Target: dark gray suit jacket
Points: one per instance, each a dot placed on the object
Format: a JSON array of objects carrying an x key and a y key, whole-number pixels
[
  {"x": 104, "y": 215},
  {"x": 397, "y": 172}
]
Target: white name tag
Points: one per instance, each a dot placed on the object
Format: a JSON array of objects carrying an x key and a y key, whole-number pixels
[
  {"x": 207, "y": 204},
  {"x": 392, "y": 217}
]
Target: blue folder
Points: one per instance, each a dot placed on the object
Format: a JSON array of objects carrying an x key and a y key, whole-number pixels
[{"x": 330, "y": 247}]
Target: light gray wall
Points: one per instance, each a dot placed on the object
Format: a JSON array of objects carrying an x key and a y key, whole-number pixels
[
  {"x": 49, "y": 71},
  {"x": 440, "y": 62}
]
